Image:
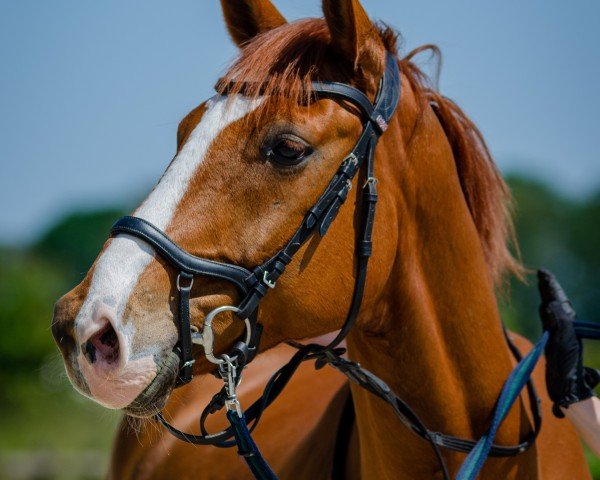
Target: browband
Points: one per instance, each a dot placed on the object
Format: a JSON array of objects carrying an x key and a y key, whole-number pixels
[{"x": 378, "y": 113}]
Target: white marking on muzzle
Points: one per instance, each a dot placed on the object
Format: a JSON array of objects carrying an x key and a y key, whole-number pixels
[{"x": 117, "y": 271}]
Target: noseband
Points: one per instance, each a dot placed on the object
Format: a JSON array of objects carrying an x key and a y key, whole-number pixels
[{"x": 253, "y": 285}]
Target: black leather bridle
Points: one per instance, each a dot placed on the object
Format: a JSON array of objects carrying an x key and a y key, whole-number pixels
[{"x": 254, "y": 284}]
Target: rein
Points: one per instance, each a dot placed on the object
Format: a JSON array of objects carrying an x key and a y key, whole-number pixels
[{"x": 254, "y": 284}]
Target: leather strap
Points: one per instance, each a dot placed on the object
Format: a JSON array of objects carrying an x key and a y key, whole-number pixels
[
  {"x": 376, "y": 386},
  {"x": 590, "y": 330},
  {"x": 378, "y": 113},
  {"x": 320, "y": 217},
  {"x": 342, "y": 440},
  {"x": 176, "y": 256},
  {"x": 248, "y": 449},
  {"x": 184, "y": 285},
  {"x": 351, "y": 94}
]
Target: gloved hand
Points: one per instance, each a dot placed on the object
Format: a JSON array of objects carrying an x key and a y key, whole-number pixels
[{"x": 567, "y": 380}]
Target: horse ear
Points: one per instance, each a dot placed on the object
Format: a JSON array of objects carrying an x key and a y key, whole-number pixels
[
  {"x": 247, "y": 18},
  {"x": 355, "y": 37}
]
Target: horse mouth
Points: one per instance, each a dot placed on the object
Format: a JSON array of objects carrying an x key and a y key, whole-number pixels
[{"x": 154, "y": 397}]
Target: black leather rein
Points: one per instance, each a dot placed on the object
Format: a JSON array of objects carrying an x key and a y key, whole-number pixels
[{"x": 254, "y": 284}]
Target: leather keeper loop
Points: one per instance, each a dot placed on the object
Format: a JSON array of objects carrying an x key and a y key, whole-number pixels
[
  {"x": 284, "y": 257},
  {"x": 371, "y": 197},
  {"x": 365, "y": 248}
]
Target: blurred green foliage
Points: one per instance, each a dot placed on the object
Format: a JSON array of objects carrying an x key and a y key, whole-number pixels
[
  {"x": 74, "y": 241},
  {"x": 28, "y": 286},
  {"x": 32, "y": 279},
  {"x": 562, "y": 235},
  {"x": 48, "y": 430},
  {"x": 39, "y": 410}
]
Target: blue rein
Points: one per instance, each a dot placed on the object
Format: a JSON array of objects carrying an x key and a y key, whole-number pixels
[
  {"x": 248, "y": 449},
  {"x": 510, "y": 392}
]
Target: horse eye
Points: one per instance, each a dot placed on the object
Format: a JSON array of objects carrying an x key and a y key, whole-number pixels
[{"x": 289, "y": 150}]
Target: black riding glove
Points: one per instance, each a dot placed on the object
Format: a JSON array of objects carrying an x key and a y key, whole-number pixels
[{"x": 566, "y": 378}]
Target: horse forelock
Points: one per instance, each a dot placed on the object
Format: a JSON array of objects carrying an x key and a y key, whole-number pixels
[{"x": 281, "y": 63}]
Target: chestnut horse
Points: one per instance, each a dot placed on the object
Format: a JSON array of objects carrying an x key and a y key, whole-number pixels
[{"x": 428, "y": 326}]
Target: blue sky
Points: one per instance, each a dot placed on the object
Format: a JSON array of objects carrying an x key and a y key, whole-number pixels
[{"x": 91, "y": 92}]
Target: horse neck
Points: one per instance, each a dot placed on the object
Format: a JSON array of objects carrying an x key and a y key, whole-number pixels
[{"x": 434, "y": 334}]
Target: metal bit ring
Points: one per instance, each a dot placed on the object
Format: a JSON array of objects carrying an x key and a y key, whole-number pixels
[{"x": 206, "y": 337}]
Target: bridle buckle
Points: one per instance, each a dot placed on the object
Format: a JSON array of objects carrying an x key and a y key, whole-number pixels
[
  {"x": 267, "y": 281},
  {"x": 186, "y": 288},
  {"x": 370, "y": 180}
]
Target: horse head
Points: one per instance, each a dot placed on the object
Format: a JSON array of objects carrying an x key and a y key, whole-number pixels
[{"x": 250, "y": 162}]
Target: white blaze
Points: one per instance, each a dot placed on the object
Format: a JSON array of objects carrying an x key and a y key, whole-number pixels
[{"x": 118, "y": 269}]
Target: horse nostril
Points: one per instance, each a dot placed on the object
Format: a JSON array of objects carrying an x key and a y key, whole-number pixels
[
  {"x": 102, "y": 345},
  {"x": 89, "y": 351}
]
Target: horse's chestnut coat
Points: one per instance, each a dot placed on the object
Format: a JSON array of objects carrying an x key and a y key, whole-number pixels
[{"x": 429, "y": 325}]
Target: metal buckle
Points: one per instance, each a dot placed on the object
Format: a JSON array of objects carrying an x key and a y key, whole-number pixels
[
  {"x": 206, "y": 338},
  {"x": 187, "y": 288},
  {"x": 371, "y": 180},
  {"x": 189, "y": 363},
  {"x": 353, "y": 158},
  {"x": 268, "y": 282}
]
